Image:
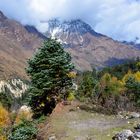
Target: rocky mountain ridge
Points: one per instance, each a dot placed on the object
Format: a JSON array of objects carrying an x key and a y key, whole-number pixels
[
  {"x": 17, "y": 44},
  {"x": 15, "y": 87},
  {"x": 87, "y": 47},
  {"x": 66, "y": 31},
  {"x": 132, "y": 43}
]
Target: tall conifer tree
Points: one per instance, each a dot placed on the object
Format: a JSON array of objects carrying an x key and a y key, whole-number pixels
[{"x": 49, "y": 71}]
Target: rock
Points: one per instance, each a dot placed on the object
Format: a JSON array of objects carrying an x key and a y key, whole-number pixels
[
  {"x": 137, "y": 130},
  {"x": 128, "y": 134},
  {"x": 137, "y": 127},
  {"x": 128, "y": 115},
  {"x": 108, "y": 135},
  {"x": 124, "y": 135},
  {"x": 24, "y": 112},
  {"x": 133, "y": 138},
  {"x": 52, "y": 137},
  {"x": 25, "y": 108},
  {"x": 137, "y": 135},
  {"x": 134, "y": 115}
]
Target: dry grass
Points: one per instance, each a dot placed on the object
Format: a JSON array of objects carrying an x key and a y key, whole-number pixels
[{"x": 71, "y": 123}]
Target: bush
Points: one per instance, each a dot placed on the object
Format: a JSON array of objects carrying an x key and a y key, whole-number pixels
[
  {"x": 86, "y": 87},
  {"x": 3, "y": 133},
  {"x": 133, "y": 89},
  {"x": 4, "y": 122},
  {"x": 6, "y": 100},
  {"x": 71, "y": 96},
  {"x": 24, "y": 131},
  {"x": 4, "y": 117}
]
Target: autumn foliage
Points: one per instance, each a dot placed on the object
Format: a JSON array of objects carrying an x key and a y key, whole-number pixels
[
  {"x": 4, "y": 122},
  {"x": 115, "y": 87},
  {"x": 4, "y": 117}
]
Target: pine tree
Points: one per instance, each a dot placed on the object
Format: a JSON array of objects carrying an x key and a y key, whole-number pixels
[
  {"x": 86, "y": 87},
  {"x": 49, "y": 71}
]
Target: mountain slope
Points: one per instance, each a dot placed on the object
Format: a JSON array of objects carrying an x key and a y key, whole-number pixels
[
  {"x": 16, "y": 46},
  {"x": 87, "y": 47},
  {"x": 132, "y": 43}
]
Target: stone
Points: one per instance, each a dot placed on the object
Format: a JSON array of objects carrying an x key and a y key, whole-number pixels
[
  {"x": 52, "y": 137},
  {"x": 137, "y": 134},
  {"x": 128, "y": 134},
  {"x": 24, "y": 112},
  {"x": 138, "y": 126},
  {"x": 123, "y": 135},
  {"x": 133, "y": 138},
  {"x": 134, "y": 115},
  {"x": 137, "y": 130}
]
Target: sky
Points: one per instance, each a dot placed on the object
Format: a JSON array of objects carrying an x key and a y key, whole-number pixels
[{"x": 119, "y": 19}]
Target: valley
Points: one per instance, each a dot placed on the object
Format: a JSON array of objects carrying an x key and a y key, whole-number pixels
[{"x": 67, "y": 82}]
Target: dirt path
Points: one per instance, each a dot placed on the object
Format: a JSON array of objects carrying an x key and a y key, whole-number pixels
[{"x": 71, "y": 123}]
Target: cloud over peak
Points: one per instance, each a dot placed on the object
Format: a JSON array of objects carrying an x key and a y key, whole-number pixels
[{"x": 118, "y": 19}]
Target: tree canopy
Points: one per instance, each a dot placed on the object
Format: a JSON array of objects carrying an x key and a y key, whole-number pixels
[{"x": 49, "y": 70}]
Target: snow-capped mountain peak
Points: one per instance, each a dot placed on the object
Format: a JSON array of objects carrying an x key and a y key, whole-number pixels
[
  {"x": 69, "y": 32},
  {"x": 56, "y": 26}
]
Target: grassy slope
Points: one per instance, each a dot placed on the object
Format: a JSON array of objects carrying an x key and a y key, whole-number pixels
[{"x": 72, "y": 123}]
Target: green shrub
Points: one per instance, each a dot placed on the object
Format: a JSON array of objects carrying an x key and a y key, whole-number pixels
[
  {"x": 133, "y": 89},
  {"x": 24, "y": 131},
  {"x": 6, "y": 100},
  {"x": 86, "y": 87},
  {"x": 41, "y": 119},
  {"x": 71, "y": 96}
]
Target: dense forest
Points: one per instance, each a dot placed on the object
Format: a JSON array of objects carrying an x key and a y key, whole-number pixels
[{"x": 114, "y": 88}]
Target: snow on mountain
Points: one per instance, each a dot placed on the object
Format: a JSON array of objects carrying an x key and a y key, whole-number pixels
[
  {"x": 67, "y": 31},
  {"x": 87, "y": 47}
]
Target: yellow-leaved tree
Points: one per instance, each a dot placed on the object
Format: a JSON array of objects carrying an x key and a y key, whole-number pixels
[{"x": 4, "y": 121}]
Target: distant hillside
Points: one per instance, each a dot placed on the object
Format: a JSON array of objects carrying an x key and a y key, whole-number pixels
[
  {"x": 87, "y": 47},
  {"x": 132, "y": 43},
  {"x": 17, "y": 44}
]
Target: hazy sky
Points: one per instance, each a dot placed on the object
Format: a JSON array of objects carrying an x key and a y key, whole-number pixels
[{"x": 119, "y": 19}]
